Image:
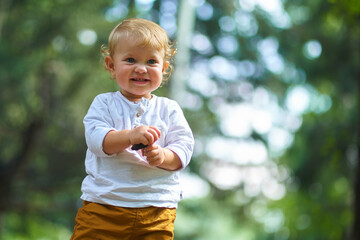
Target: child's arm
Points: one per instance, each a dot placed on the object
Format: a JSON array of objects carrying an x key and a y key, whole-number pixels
[
  {"x": 162, "y": 157},
  {"x": 117, "y": 141}
]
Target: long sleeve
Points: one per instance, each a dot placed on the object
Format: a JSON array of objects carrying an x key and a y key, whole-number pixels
[
  {"x": 179, "y": 137},
  {"x": 98, "y": 123}
]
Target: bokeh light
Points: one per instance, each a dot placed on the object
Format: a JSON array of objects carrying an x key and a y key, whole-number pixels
[
  {"x": 312, "y": 49},
  {"x": 87, "y": 37}
]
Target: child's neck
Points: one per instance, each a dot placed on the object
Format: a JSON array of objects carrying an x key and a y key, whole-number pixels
[{"x": 136, "y": 98}]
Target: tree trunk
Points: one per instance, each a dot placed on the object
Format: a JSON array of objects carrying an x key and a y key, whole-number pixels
[{"x": 9, "y": 170}]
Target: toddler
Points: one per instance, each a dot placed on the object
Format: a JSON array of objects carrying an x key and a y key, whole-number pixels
[{"x": 137, "y": 142}]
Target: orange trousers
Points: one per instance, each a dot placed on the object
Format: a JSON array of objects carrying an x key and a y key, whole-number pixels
[{"x": 105, "y": 222}]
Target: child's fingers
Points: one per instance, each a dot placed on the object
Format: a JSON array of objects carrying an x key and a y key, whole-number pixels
[
  {"x": 150, "y": 138},
  {"x": 151, "y": 152},
  {"x": 150, "y": 149},
  {"x": 155, "y": 131},
  {"x": 146, "y": 135},
  {"x": 154, "y": 155},
  {"x": 154, "y": 135}
]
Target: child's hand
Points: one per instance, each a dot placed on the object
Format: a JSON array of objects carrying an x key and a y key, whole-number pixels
[
  {"x": 154, "y": 154},
  {"x": 146, "y": 135}
]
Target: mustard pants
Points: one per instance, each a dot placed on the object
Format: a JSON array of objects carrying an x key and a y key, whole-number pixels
[{"x": 105, "y": 222}]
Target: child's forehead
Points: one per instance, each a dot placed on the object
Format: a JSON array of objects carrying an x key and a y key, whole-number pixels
[{"x": 133, "y": 41}]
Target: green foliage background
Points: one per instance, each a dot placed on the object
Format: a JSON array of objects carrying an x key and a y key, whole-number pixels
[{"x": 48, "y": 79}]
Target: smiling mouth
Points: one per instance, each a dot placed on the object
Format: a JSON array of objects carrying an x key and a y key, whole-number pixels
[{"x": 139, "y": 79}]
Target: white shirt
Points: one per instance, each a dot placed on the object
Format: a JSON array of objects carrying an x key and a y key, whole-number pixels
[{"x": 126, "y": 179}]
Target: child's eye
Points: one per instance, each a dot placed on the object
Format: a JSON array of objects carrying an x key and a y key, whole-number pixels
[
  {"x": 151, "y": 61},
  {"x": 130, "y": 60}
]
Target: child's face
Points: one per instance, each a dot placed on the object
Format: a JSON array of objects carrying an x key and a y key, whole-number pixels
[{"x": 137, "y": 70}]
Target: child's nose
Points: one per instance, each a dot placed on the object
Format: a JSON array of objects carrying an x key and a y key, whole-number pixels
[{"x": 140, "y": 68}]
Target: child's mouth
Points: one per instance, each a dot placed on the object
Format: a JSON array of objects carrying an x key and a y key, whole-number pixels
[{"x": 139, "y": 79}]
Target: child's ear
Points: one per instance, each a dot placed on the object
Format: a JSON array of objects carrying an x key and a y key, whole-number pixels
[
  {"x": 109, "y": 62},
  {"x": 165, "y": 66}
]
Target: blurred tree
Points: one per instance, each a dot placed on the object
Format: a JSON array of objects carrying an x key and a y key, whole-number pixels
[
  {"x": 328, "y": 172},
  {"x": 48, "y": 50},
  {"x": 307, "y": 55},
  {"x": 272, "y": 96}
]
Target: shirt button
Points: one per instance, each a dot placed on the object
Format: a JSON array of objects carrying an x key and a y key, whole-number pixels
[{"x": 138, "y": 115}]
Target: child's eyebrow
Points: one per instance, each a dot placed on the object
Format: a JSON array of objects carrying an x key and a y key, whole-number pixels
[{"x": 155, "y": 56}]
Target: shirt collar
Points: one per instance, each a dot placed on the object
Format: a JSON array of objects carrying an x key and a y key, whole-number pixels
[{"x": 140, "y": 106}]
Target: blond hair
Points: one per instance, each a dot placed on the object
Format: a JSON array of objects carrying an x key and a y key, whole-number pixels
[{"x": 147, "y": 34}]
